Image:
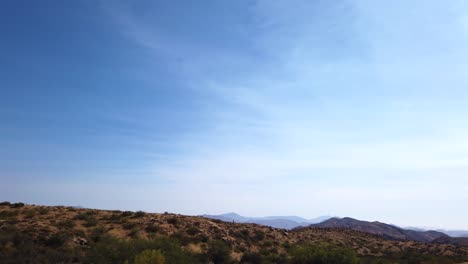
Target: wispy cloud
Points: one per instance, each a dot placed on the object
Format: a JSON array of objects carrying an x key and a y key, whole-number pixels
[
  {"x": 292, "y": 107},
  {"x": 352, "y": 84}
]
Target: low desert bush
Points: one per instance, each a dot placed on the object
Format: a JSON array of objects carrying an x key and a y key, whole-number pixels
[
  {"x": 259, "y": 235},
  {"x": 126, "y": 214},
  {"x": 8, "y": 215},
  {"x": 193, "y": 230},
  {"x": 152, "y": 228},
  {"x": 90, "y": 221},
  {"x": 17, "y": 205},
  {"x": 181, "y": 238},
  {"x": 115, "y": 218},
  {"x": 219, "y": 252},
  {"x": 43, "y": 210},
  {"x": 97, "y": 233},
  {"x": 129, "y": 225},
  {"x": 173, "y": 221},
  {"x": 139, "y": 214},
  {"x": 322, "y": 253},
  {"x": 113, "y": 250},
  {"x": 150, "y": 256},
  {"x": 56, "y": 240},
  {"x": 66, "y": 223}
]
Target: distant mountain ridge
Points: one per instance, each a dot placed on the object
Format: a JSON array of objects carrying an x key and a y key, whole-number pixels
[
  {"x": 452, "y": 233},
  {"x": 286, "y": 222},
  {"x": 386, "y": 230}
]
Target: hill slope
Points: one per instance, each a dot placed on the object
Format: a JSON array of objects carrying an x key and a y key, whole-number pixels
[
  {"x": 382, "y": 229},
  {"x": 40, "y": 234}
]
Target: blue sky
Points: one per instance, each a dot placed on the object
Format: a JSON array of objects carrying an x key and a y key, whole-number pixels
[{"x": 348, "y": 108}]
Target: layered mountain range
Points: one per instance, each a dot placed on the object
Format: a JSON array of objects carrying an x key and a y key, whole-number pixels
[
  {"x": 382, "y": 229},
  {"x": 286, "y": 222},
  {"x": 387, "y": 231}
]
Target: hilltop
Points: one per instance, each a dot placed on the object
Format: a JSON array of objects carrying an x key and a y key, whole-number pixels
[
  {"x": 45, "y": 234},
  {"x": 382, "y": 229}
]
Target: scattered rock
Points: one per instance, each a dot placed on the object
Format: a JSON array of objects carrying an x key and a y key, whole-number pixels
[{"x": 80, "y": 241}]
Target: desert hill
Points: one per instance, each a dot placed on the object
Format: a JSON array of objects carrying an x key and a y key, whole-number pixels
[
  {"x": 55, "y": 234},
  {"x": 382, "y": 229}
]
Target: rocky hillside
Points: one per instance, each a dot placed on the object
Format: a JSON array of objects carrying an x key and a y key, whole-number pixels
[
  {"x": 88, "y": 235},
  {"x": 381, "y": 229}
]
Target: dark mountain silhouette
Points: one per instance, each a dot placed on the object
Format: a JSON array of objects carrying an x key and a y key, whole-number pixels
[
  {"x": 286, "y": 222},
  {"x": 455, "y": 233},
  {"x": 452, "y": 233},
  {"x": 382, "y": 229}
]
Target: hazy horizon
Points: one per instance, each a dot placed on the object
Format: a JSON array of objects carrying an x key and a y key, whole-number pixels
[{"x": 348, "y": 108}]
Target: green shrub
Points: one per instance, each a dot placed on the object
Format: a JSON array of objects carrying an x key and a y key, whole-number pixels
[
  {"x": 173, "y": 221},
  {"x": 129, "y": 225},
  {"x": 16, "y": 205},
  {"x": 43, "y": 210},
  {"x": 322, "y": 254},
  {"x": 8, "y": 215},
  {"x": 66, "y": 223},
  {"x": 193, "y": 230},
  {"x": 202, "y": 238},
  {"x": 22, "y": 247},
  {"x": 83, "y": 216},
  {"x": 97, "y": 233},
  {"x": 150, "y": 256},
  {"x": 78, "y": 232},
  {"x": 112, "y": 250},
  {"x": 251, "y": 258},
  {"x": 259, "y": 235},
  {"x": 126, "y": 214},
  {"x": 56, "y": 240},
  {"x": 30, "y": 213},
  {"x": 152, "y": 228},
  {"x": 114, "y": 217},
  {"x": 219, "y": 252},
  {"x": 256, "y": 258},
  {"x": 134, "y": 232},
  {"x": 181, "y": 238},
  {"x": 139, "y": 214},
  {"x": 5, "y": 203},
  {"x": 267, "y": 243},
  {"x": 91, "y": 221}
]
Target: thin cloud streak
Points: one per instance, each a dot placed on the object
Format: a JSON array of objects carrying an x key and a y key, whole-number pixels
[
  {"x": 352, "y": 108},
  {"x": 363, "y": 88}
]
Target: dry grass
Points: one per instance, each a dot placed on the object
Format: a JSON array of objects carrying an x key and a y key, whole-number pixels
[{"x": 194, "y": 231}]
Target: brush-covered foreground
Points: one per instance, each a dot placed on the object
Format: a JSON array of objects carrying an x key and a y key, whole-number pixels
[{"x": 42, "y": 234}]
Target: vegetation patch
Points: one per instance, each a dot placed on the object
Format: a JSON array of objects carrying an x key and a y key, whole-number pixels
[{"x": 58, "y": 235}]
